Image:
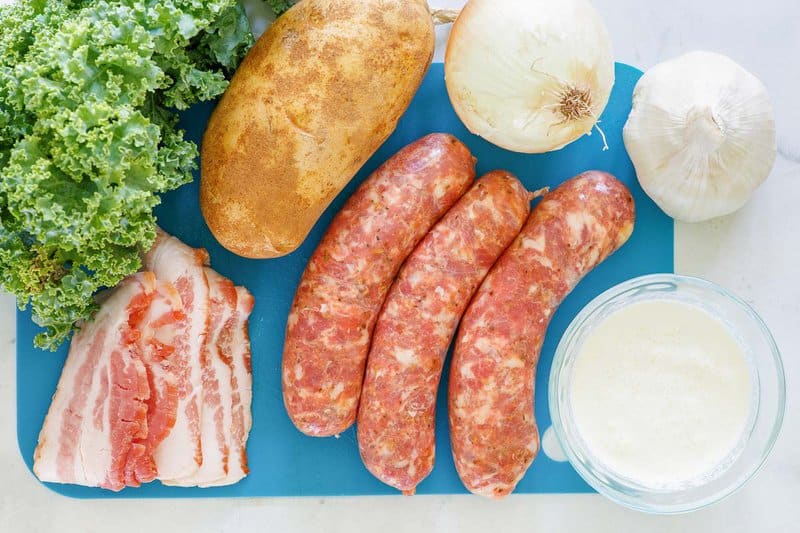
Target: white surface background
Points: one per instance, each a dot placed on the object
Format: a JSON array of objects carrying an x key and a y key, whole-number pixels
[{"x": 754, "y": 252}]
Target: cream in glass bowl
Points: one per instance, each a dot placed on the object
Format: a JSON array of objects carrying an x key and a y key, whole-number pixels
[{"x": 667, "y": 393}]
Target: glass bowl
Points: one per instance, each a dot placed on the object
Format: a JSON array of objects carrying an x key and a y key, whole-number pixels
[{"x": 768, "y": 402}]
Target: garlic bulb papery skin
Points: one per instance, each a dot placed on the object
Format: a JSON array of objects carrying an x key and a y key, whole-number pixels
[
  {"x": 701, "y": 135},
  {"x": 529, "y": 75}
]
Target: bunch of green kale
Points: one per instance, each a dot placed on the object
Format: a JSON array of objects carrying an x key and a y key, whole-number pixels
[{"x": 88, "y": 137}]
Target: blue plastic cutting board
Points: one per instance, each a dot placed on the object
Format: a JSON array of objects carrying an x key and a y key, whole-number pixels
[{"x": 284, "y": 462}]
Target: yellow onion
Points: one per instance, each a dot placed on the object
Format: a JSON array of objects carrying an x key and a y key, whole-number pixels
[{"x": 529, "y": 75}]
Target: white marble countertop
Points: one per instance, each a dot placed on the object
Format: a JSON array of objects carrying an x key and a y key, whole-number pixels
[{"x": 754, "y": 252}]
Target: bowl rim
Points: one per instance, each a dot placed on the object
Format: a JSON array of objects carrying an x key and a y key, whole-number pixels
[{"x": 607, "y": 297}]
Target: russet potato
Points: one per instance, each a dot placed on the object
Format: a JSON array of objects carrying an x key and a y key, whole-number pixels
[{"x": 315, "y": 97}]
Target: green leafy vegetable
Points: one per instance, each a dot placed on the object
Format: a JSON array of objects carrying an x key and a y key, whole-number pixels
[
  {"x": 280, "y": 6},
  {"x": 88, "y": 137}
]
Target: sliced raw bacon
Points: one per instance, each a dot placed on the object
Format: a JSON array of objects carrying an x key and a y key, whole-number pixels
[
  {"x": 234, "y": 345},
  {"x": 158, "y": 332},
  {"x": 215, "y": 417},
  {"x": 158, "y": 385},
  {"x": 179, "y": 454},
  {"x": 99, "y": 410}
]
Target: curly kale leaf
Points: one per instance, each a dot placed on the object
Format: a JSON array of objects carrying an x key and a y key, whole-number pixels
[{"x": 279, "y": 7}]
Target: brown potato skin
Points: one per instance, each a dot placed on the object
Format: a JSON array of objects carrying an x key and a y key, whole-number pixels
[{"x": 314, "y": 98}]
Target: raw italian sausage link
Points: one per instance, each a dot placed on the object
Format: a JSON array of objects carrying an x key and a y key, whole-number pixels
[
  {"x": 421, "y": 312},
  {"x": 346, "y": 280},
  {"x": 493, "y": 431}
]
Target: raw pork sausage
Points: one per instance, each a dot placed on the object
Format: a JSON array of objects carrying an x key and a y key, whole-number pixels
[
  {"x": 346, "y": 280},
  {"x": 421, "y": 312},
  {"x": 492, "y": 427}
]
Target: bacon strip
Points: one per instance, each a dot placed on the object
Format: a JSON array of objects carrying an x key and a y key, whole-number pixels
[
  {"x": 180, "y": 454},
  {"x": 157, "y": 342},
  {"x": 235, "y": 342},
  {"x": 215, "y": 419},
  {"x": 99, "y": 408}
]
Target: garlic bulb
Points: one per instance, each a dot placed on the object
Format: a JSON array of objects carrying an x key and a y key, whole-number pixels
[
  {"x": 529, "y": 75},
  {"x": 701, "y": 135}
]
